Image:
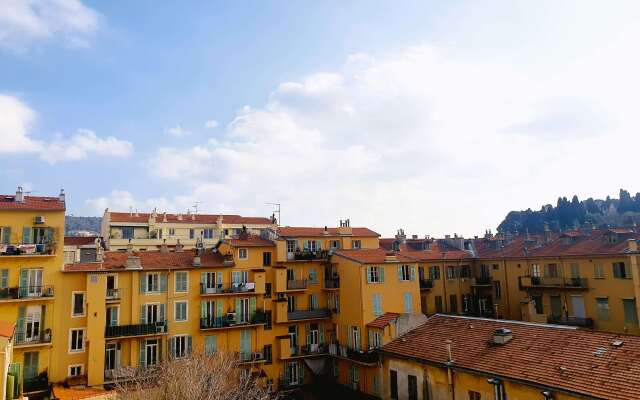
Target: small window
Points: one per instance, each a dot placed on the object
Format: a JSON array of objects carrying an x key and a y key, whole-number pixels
[
  {"x": 598, "y": 271},
  {"x": 356, "y": 244},
  {"x": 404, "y": 273},
  {"x": 439, "y": 307},
  {"x": 242, "y": 254},
  {"x": 453, "y": 303},
  {"x": 180, "y": 310},
  {"x": 551, "y": 271},
  {"x": 78, "y": 304},
  {"x": 474, "y": 395},
  {"x": 180, "y": 346},
  {"x": 620, "y": 271},
  {"x": 207, "y": 233},
  {"x": 375, "y": 274},
  {"x": 291, "y": 246},
  {"x": 172, "y": 231},
  {"x": 495, "y": 267},
  {"x": 334, "y": 244},
  {"x": 434, "y": 272},
  {"x": 451, "y": 272},
  {"x": 75, "y": 370},
  {"x": 266, "y": 258},
  {"x": 192, "y": 233},
  {"x": 76, "y": 340},
  {"x": 602, "y": 307},
  {"x": 182, "y": 281}
]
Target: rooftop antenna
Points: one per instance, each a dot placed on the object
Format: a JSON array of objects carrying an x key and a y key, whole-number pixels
[
  {"x": 277, "y": 211},
  {"x": 195, "y": 206}
]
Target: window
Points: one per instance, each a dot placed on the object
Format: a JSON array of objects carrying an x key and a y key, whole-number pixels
[
  {"x": 312, "y": 245},
  {"x": 406, "y": 272},
  {"x": 180, "y": 346},
  {"x": 551, "y": 271},
  {"x": 78, "y": 304},
  {"x": 112, "y": 316},
  {"x": 266, "y": 258},
  {"x": 268, "y": 354},
  {"x": 376, "y": 385},
  {"x": 172, "y": 231},
  {"x": 151, "y": 282},
  {"x": 210, "y": 344},
  {"x": 267, "y": 290},
  {"x": 620, "y": 271},
  {"x": 408, "y": 303},
  {"x": 182, "y": 281},
  {"x": 313, "y": 275},
  {"x": 375, "y": 274},
  {"x": 630, "y": 312},
  {"x": 207, "y": 233},
  {"x": 434, "y": 272},
  {"x": 535, "y": 270},
  {"x": 393, "y": 383},
  {"x": 242, "y": 254},
  {"x": 291, "y": 303},
  {"x": 334, "y": 244},
  {"x": 497, "y": 289},
  {"x": 602, "y": 307},
  {"x": 453, "y": 303},
  {"x": 76, "y": 340},
  {"x": 356, "y": 244},
  {"x": 575, "y": 270},
  {"x": 412, "y": 387},
  {"x": 192, "y": 233},
  {"x": 313, "y": 302},
  {"x": 498, "y": 389},
  {"x": 474, "y": 395},
  {"x": 180, "y": 309},
  {"x": 127, "y": 232},
  {"x": 75, "y": 370},
  {"x": 354, "y": 377},
  {"x": 537, "y": 302},
  {"x": 375, "y": 339},
  {"x": 377, "y": 304},
  {"x": 465, "y": 271},
  {"x": 451, "y": 272},
  {"x": 439, "y": 304},
  {"x": 291, "y": 246},
  {"x": 598, "y": 271},
  {"x": 4, "y": 278},
  {"x": 495, "y": 267}
]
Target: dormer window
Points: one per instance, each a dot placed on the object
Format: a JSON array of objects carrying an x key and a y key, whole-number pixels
[{"x": 396, "y": 246}]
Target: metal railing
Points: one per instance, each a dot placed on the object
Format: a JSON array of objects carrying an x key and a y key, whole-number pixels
[
  {"x": 221, "y": 288},
  {"x": 26, "y": 292},
  {"x": 22, "y": 338},
  {"x": 481, "y": 281},
  {"x": 308, "y": 314},
  {"x": 297, "y": 284},
  {"x": 135, "y": 329},
  {"x": 572, "y": 321},
  {"x": 540, "y": 282},
  {"x": 309, "y": 349},
  {"x": 426, "y": 283},
  {"x": 27, "y": 249},
  {"x": 365, "y": 356},
  {"x": 113, "y": 294},
  {"x": 36, "y": 384},
  {"x": 259, "y": 317},
  {"x": 306, "y": 255},
  {"x": 332, "y": 283}
]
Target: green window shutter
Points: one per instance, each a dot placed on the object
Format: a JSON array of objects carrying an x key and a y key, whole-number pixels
[
  {"x": 349, "y": 338},
  {"x": 6, "y": 235},
  {"x": 381, "y": 268},
  {"x": 321, "y": 334},
  {"x": 413, "y": 272},
  {"x": 318, "y": 245},
  {"x": 189, "y": 344},
  {"x": 162, "y": 314},
  {"x": 20, "y": 321},
  {"x": 143, "y": 287},
  {"x": 143, "y": 314},
  {"x": 203, "y": 278},
  {"x": 210, "y": 344},
  {"x": 307, "y": 328},
  {"x": 163, "y": 282},
  {"x": 143, "y": 353},
  {"x": 4, "y": 279},
  {"x": 219, "y": 310},
  {"x": 630, "y": 312},
  {"x": 23, "y": 283},
  {"x": 399, "y": 272},
  {"x": 236, "y": 277},
  {"x": 408, "y": 303},
  {"x": 368, "y": 274},
  {"x": 48, "y": 234},
  {"x": 219, "y": 279},
  {"x": 301, "y": 372},
  {"x": 252, "y": 307},
  {"x": 237, "y": 308},
  {"x": 114, "y": 316},
  {"x": 306, "y": 245},
  {"x": 172, "y": 347},
  {"x": 43, "y": 310},
  {"x": 26, "y": 235},
  {"x": 203, "y": 309}
]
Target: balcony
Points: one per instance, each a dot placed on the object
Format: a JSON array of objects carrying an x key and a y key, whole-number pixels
[
  {"x": 227, "y": 288},
  {"x": 536, "y": 282},
  {"x": 27, "y": 292},
  {"x": 253, "y": 356},
  {"x": 332, "y": 283},
  {"x": 113, "y": 294},
  {"x": 136, "y": 330},
  {"x": 361, "y": 356},
  {"x": 571, "y": 321},
  {"x": 37, "y": 387},
  {"x": 309, "y": 350},
  {"x": 128, "y": 373},
  {"x": 300, "y": 284},
  {"x": 231, "y": 320},
  {"x": 23, "y": 339},
  {"x": 481, "y": 281},
  {"x": 308, "y": 255},
  {"x": 25, "y": 250},
  {"x": 426, "y": 284},
  {"x": 308, "y": 314}
]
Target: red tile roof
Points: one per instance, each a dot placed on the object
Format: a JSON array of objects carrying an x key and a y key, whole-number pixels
[
  {"x": 301, "y": 231},
  {"x": 151, "y": 260},
  {"x": 250, "y": 241},
  {"x": 383, "y": 320},
  {"x": 373, "y": 256},
  {"x": 189, "y": 218},
  {"x": 35, "y": 203},
  {"x": 559, "y": 358},
  {"x": 438, "y": 249},
  {"x": 7, "y": 328},
  {"x": 79, "y": 240}
]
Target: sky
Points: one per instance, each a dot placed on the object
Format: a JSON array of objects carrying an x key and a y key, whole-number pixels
[{"x": 435, "y": 117}]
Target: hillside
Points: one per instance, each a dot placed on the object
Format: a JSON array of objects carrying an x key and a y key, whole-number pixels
[
  {"x": 568, "y": 214},
  {"x": 74, "y": 225}
]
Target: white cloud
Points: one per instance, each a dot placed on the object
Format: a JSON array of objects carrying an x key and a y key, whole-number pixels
[
  {"x": 123, "y": 200},
  {"x": 211, "y": 124},
  {"x": 436, "y": 138},
  {"x": 16, "y": 121},
  {"x": 22, "y": 22},
  {"x": 178, "y": 131}
]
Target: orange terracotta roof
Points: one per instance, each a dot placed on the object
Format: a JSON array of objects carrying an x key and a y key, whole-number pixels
[
  {"x": 301, "y": 231},
  {"x": 383, "y": 320},
  {"x": 79, "y": 240},
  {"x": 373, "y": 256},
  {"x": 188, "y": 218},
  {"x": 150, "y": 260},
  {"x": 7, "y": 328},
  {"x": 35, "y": 203},
  {"x": 250, "y": 241},
  {"x": 438, "y": 249},
  {"x": 559, "y": 358}
]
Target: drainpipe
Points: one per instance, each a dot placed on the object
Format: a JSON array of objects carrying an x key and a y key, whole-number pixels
[{"x": 449, "y": 365}]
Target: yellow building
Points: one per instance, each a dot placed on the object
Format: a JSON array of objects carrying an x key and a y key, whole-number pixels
[
  {"x": 471, "y": 358},
  {"x": 31, "y": 256},
  {"x": 148, "y": 231},
  {"x": 8, "y": 379}
]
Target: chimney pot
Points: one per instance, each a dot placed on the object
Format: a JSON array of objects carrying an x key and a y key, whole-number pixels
[
  {"x": 19, "y": 195},
  {"x": 62, "y": 196}
]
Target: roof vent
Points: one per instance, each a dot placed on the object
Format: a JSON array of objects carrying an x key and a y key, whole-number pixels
[
  {"x": 502, "y": 336},
  {"x": 617, "y": 343}
]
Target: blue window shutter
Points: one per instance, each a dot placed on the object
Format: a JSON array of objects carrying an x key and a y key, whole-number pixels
[
  {"x": 163, "y": 282},
  {"x": 368, "y": 274},
  {"x": 6, "y": 235},
  {"x": 114, "y": 316},
  {"x": 408, "y": 306},
  {"x": 4, "y": 280},
  {"x": 26, "y": 235},
  {"x": 381, "y": 269},
  {"x": 143, "y": 314}
]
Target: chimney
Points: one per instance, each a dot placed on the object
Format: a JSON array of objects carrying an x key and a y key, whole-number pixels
[
  {"x": 164, "y": 217},
  {"x": 179, "y": 247},
  {"x": 179, "y": 217},
  {"x": 632, "y": 245},
  {"x": 326, "y": 230},
  {"x": 244, "y": 235},
  {"x": 62, "y": 196},
  {"x": 196, "y": 260},
  {"x": 19, "y": 195},
  {"x": 390, "y": 257},
  {"x": 129, "y": 247},
  {"x": 99, "y": 250},
  {"x": 133, "y": 262},
  {"x": 502, "y": 336},
  {"x": 414, "y": 237},
  {"x": 163, "y": 247},
  {"x": 547, "y": 233}
]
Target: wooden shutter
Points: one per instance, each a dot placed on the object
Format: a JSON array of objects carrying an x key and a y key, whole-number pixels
[
  {"x": 399, "y": 272},
  {"x": 26, "y": 235},
  {"x": 143, "y": 283},
  {"x": 252, "y": 307},
  {"x": 23, "y": 282},
  {"x": 381, "y": 269},
  {"x": 368, "y": 274},
  {"x": 210, "y": 344},
  {"x": 143, "y": 353},
  {"x": 413, "y": 272},
  {"x": 189, "y": 344},
  {"x": 203, "y": 309},
  {"x": 172, "y": 347},
  {"x": 6, "y": 235},
  {"x": 163, "y": 282},
  {"x": 162, "y": 314},
  {"x": 143, "y": 314},
  {"x": 4, "y": 279}
]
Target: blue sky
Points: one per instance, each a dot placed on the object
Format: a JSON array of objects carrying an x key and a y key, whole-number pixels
[{"x": 395, "y": 114}]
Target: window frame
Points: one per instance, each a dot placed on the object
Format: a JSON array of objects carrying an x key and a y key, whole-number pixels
[
  {"x": 70, "y": 375},
  {"x": 242, "y": 250},
  {"x": 598, "y": 271},
  {"x": 83, "y": 347},
  {"x": 356, "y": 244},
  {"x": 175, "y": 282},
  {"x": 175, "y": 310},
  {"x": 84, "y": 304}
]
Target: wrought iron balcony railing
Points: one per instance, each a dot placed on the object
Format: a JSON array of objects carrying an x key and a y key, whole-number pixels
[
  {"x": 222, "y": 288},
  {"x": 25, "y": 292},
  {"x": 136, "y": 329}
]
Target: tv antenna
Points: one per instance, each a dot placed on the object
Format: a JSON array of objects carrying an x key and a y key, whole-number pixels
[
  {"x": 195, "y": 206},
  {"x": 277, "y": 211}
]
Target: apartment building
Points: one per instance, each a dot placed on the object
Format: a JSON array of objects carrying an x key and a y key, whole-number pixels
[
  {"x": 454, "y": 357},
  {"x": 148, "y": 231},
  {"x": 31, "y": 243}
]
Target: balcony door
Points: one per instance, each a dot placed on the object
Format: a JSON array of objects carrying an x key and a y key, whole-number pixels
[
  {"x": 33, "y": 323},
  {"x": 151, "y": 352},
  {"x": 30, "y": 365},
  {"x": 313, "y": 337},
  {"x": 291, "y": 275},
  {"x": 577, "y": 305},
  {"x": 209, "y": 282},
  {"x": 243, "y": 310},
  {"x": 152, "y": 313},
  {"x": 31, "y": 283},
  {"x": 355, "y": 337},
  {"x": 292, "y": 373},
  {"x": 112, "y": 356}
]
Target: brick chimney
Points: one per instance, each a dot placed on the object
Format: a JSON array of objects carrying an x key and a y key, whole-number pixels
[
  {"x": 179, "y": 247},
  {"x": 163, "y": 247}
]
